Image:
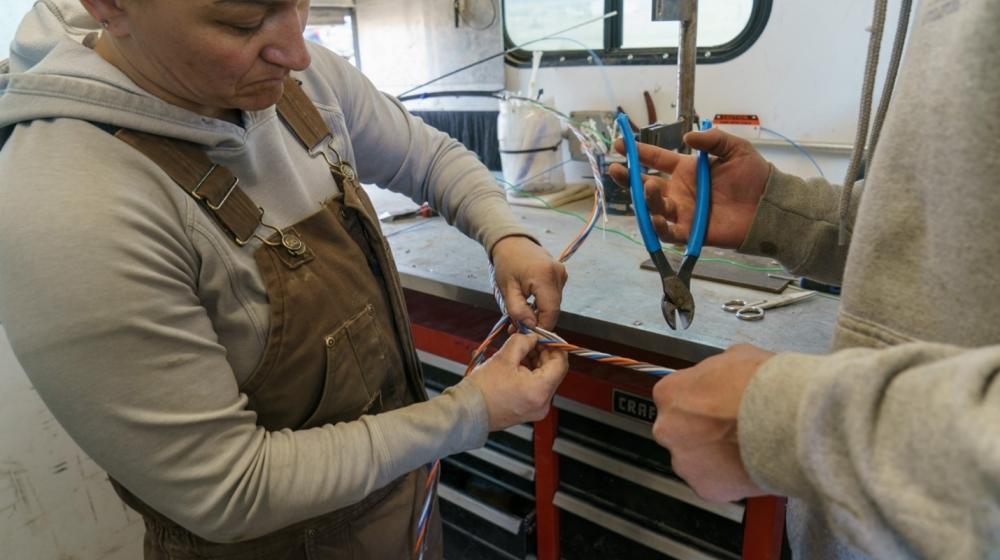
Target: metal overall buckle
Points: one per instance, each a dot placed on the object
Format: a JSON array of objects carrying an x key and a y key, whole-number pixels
[
  {"x": 201, "y": 198},
  {"x": 337, "y": 165},
  {"x": 288, "y": 239}
]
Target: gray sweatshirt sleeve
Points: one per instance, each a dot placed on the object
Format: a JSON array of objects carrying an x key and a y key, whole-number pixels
[
  {"x": 99, "y": 298},
  {"x": 899, "y": 447},
  {"x": 398, "y": 151},
  {"x": 797, "y": 224}
]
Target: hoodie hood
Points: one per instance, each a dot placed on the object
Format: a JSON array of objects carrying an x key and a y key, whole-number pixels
[{"x": 52, "y": 74}]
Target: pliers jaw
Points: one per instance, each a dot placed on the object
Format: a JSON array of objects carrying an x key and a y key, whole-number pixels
[{"x": 677, "y": 304}]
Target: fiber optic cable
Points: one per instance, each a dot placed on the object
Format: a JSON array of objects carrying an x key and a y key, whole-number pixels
[
  {"x": 797, "y": 147},
  {"x": 510, "y": 50},
  {"x": 608, "y": 89}
]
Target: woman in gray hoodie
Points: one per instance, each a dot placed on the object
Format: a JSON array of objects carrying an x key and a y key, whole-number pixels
[{"x": 197, "y": 285}]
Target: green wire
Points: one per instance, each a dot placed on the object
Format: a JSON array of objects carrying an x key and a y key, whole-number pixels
[
  {"x": 731, "y": 262},
  {"x": 636, "y": 241}
]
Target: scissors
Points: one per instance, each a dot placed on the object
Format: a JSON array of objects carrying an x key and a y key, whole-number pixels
[
  {"x": 677, "y": 303},
  {"x": 755, "y": 311}
]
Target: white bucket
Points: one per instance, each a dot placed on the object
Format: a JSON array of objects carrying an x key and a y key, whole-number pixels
[{"x": 530, "y": 148}]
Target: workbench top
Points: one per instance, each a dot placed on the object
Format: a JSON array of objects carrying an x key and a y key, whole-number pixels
[{"x": 608, "y": 296}]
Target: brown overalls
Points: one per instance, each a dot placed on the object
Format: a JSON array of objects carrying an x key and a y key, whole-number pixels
[{"x": 339, "y": 345}]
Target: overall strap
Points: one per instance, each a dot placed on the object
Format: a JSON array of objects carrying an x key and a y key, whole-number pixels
[
  {"x": 299, "y": 113},
  {"x": 212, "y": 185}
]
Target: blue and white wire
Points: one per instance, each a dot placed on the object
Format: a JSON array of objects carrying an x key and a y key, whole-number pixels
[
  {"x": 568, "y": 252},
  {"x": 608, "y": 90},
  {"x": 797, "y": 147},
  {"x": 425, "y": 510}
]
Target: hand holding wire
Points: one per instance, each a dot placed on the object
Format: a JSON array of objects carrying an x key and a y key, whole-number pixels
[
  {"x": 515, "y": 393},
  {"x": 524, "y": 269}
]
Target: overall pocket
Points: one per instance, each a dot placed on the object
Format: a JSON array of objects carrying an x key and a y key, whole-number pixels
[{"x": 358, "y": 370}]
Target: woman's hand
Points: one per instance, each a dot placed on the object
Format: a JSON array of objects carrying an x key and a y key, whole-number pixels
[
  {"x": 515, "y": 393},
  {"x": 524, "y": 269},
  {"x": 739, "y": 175}
]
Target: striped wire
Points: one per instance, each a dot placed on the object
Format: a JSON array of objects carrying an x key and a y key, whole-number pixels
[
  {"x": 552, "y": 340},
  {"x": 425, "y": 511}
]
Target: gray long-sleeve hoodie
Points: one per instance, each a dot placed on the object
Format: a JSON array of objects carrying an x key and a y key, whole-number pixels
[
  {"x": 136, "y": 317},
  {"x": 890, "y": 445}
]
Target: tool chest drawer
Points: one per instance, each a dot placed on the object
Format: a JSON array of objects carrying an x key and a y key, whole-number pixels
[
  {"x": 625, "y": 439},
  {"x": 497, "y": 468},
  {"x": 661, "y": 510},
  {"x": 484, "y": 514},
  {"x": 609, "y": 471}
]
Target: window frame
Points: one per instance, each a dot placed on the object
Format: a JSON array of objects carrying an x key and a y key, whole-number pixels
[
  {"x": 613, "y": 54},
  {"x": 318, "y": 8}
]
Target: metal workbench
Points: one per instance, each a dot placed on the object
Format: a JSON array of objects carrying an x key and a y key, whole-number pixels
[{"x": 608, "y": 296}]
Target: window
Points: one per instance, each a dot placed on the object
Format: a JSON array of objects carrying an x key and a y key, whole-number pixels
[
  {"x": 335, "y": 29},
  {"x": 526, "y": 20},
  {"x": 725, "y": 29}
]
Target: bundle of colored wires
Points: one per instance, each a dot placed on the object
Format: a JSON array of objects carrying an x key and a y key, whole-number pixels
[
  {"x": 552, "y": 340},
  {"x": 588, "y": 146}
]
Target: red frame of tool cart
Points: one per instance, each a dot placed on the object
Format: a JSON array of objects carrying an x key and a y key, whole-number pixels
[{"x": 447, "y": 329}]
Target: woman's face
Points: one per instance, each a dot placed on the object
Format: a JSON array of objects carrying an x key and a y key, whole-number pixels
[{"x": 214, "y": 54}]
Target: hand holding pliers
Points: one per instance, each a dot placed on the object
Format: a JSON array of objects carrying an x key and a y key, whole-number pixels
[{"x": 677, "y": 303}]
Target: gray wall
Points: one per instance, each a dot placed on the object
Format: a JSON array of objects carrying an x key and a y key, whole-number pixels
[{"x": 405, "y": 43}]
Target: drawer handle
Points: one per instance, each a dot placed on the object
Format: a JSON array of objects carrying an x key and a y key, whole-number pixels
[
  {"x": 629, "y": 530},
  {"x": 504, "y": 462},
  {"x": 501, "y": 519}
]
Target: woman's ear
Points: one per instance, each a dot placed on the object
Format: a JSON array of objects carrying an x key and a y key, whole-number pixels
[{"x": 109, "y": 14}]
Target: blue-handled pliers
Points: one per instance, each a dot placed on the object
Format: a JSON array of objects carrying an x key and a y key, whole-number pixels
[{"x": 677, "y": 304}]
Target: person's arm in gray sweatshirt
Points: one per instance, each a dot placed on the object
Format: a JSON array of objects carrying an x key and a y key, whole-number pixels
[
  {"x": 797, "y": 224},
  {"x": 893, "y": 440},
  {"x": 898, "y": 448}
]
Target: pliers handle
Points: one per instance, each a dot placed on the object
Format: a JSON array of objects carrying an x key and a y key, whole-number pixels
[
  {"x": 702, "y": 208},
  {"x": 677, "y": 303}
]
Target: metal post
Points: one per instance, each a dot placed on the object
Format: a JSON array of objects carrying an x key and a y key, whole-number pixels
[
  {"x": 669, "y": 136},
  {"x": 687, "y": 51}
]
